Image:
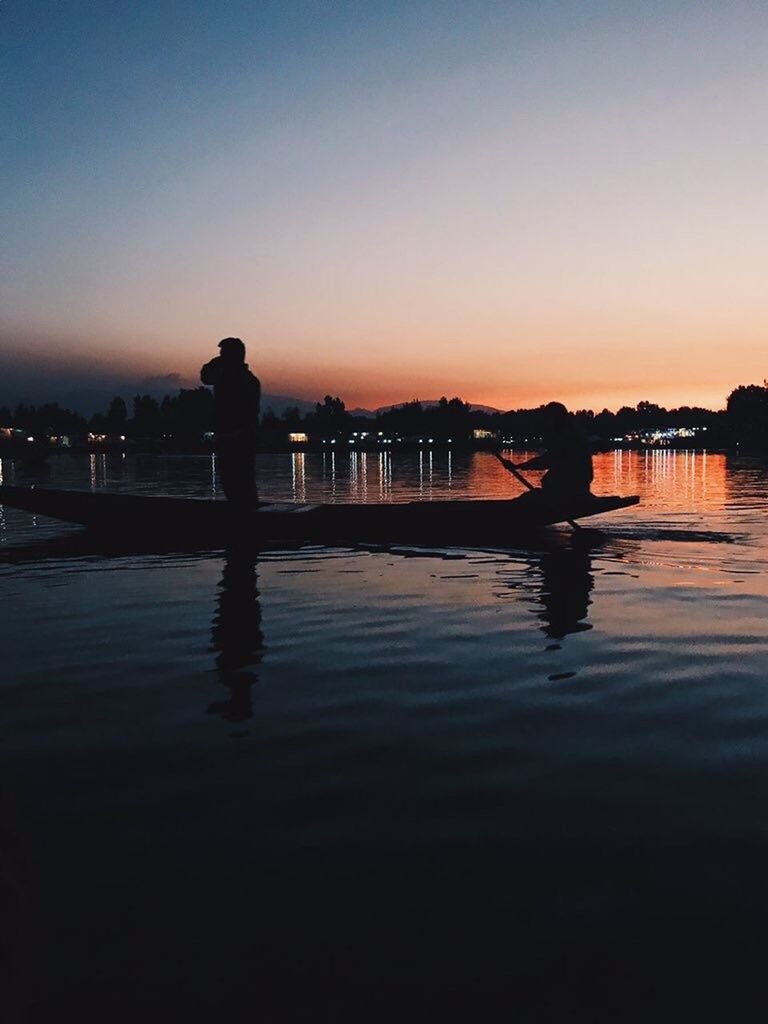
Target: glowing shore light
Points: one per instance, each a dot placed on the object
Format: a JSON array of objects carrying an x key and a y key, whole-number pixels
[{"x": 299, "y": 437}]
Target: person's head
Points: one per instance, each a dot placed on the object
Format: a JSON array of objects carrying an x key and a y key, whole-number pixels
[
  {"x": 232, "y": 349},
  {"x": 555, "y": 415}
]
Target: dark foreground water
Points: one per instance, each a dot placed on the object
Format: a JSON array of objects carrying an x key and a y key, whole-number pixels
[{"x": 356, "y": 784}]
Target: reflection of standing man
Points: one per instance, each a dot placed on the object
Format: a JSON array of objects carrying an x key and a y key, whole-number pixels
[
  {"x": 237, "y": 397},
  {"x": 236, "y": 633}
]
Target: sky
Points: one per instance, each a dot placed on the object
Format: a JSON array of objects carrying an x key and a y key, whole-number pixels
[{"x": 513, "y": 202}]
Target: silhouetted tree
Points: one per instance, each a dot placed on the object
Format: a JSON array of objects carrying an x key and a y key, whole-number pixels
[
  {"x": 604, "y": 424},
  {"x": 269, "y": 421},
  {"x": 48, "y": 420},
  {"x": 188, "y": 415},
  {"x": 117, "y": 416},
  {"x": 330, "y": 416},
  {"x": 647, "y": 414},
  {"x": 146, "y": 416},
  {"x": 406, "y": 419},
  {"x": 292, "y": 418},
  {"x": 195, "y": 410},
  {"x": 452, "y": 418},
  {"x": 747, "y": 413}
]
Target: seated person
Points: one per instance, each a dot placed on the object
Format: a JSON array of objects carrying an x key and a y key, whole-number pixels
[{"x": 567, "y": 459}]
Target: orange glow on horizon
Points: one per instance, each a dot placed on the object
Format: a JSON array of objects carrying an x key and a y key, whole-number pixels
[{"x": 371, "y": 381}]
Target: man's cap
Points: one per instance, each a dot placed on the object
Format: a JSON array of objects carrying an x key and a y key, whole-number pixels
[{"x": 232, "y": 345}]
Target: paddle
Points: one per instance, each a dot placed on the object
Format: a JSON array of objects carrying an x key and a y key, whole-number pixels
[{"x": 527, "y": 483}]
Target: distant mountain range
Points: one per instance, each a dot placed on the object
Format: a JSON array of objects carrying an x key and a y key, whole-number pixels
[
  {"x": 279, "y": 403},
  {"x": 427, "y": 403}
]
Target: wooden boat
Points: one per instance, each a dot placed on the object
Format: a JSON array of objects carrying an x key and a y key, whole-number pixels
[{"x": 118, "y": 514}]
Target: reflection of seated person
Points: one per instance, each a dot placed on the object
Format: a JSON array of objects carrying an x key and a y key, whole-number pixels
[
  {"x": 566, "y": 585},
  {"x": 567, "y": 459}
]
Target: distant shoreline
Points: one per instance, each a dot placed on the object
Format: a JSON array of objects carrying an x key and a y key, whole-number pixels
[{"x": 40, "y": 451}]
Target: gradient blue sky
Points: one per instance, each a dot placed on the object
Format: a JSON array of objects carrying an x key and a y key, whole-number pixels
[{"x": 513, "y": 202}]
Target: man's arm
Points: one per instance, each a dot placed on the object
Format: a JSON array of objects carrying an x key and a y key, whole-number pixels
[{"x": 210, "y": 372}]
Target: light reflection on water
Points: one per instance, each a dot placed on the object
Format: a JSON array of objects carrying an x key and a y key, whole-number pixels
[
  {"x": 707, "y": 493},
  {"x": 520, "y": 731},
  {"x": 687, "y": 478}
]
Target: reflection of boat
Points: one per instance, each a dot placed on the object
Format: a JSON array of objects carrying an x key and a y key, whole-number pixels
[{"x": 112, "y": 513}]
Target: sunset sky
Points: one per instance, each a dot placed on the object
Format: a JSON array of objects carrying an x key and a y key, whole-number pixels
[{"x": 511, "y": 202}]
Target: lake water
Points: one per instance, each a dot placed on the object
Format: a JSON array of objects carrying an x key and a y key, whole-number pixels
[{"x": 344, "y": 783}]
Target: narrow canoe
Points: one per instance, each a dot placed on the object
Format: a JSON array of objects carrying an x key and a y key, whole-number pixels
[{"x": 432, "y": 521}]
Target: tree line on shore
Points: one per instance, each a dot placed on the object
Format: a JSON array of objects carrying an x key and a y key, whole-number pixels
[{"x": 187, "y": 416}]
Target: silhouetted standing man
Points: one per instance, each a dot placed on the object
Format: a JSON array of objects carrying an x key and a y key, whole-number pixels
[{"x": 237, "y": 397}]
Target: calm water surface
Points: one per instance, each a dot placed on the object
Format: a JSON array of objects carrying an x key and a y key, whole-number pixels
[{"x": 434, "y": 775}]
